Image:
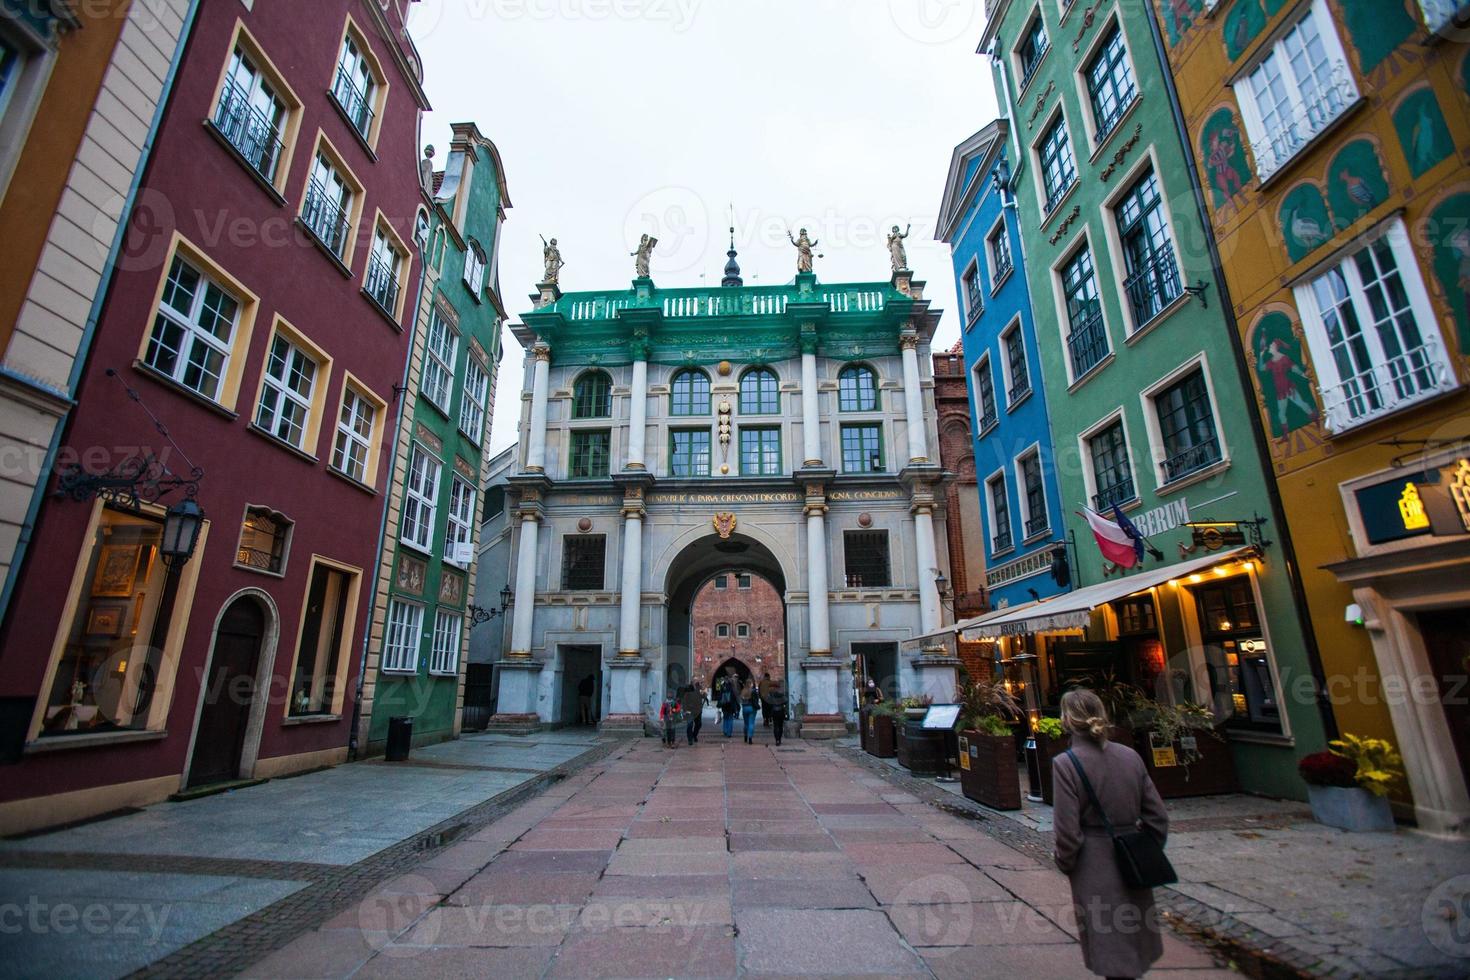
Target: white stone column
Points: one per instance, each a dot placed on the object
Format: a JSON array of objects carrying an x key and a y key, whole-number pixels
[
  {"x": 525, "y": 594},
  {"x": 927, "y": 562},
  {"x": 638, "y": 413},
  {"x": 811, "y": 434},
  {"x": 913, "y": 399},
  {"x": 541, "y": 381},
  {"x": 816, "y": 559},
  {"x": 631, "y": 596}
]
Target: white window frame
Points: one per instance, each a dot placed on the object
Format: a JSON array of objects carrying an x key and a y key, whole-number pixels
[
  {"x": 1069, "y": 252},
  {"x": 337, "y": 190},
  {"x": 193, "y": 332},
  {"x": 990, "y": 481},
  {"x": 742, "y": 631},
  {"x": 1014, "y": 327},
  {"x": 349, "y": 439},
  {"x": 461, "y": 525},
  {"x": 474, "y": 268},
  {"x": 1058, "y": 117},
  {"x": 402, "y": 637},
  {"x": 972, "y": 300},
  {"x": 1084, "y": 92},
  {"x": 1157, "y": 452},
  {"x": 354, "y": 61},
  {"x": 420, "y": 500},
  {"x": 1084, "y": 450},
  {"x": 259, "y": 91},
  {"x": 722, "y": 631},
  {"x": 1114, "y": 238},
  {"x": 1270, "y": 159},
  {"x": 983, "y": 365},
  {"x": 441, "y": 350},
  {"x": 472, "y": 405},
  {"x": 1021, "y": 499},
  {"x": 998, "y": 231},
  {"x": 444, "y": 648},
  {"x": 1437, "y": 358},
  {"x": 267, "y": 419}
]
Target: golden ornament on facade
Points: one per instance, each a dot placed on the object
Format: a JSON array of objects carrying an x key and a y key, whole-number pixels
[
  {"x": 1411, "y": 509},
  {"x": 724, "y": 522},
  {"x": 724, "y": 369},
  {"x": 1460, "y": 490}
]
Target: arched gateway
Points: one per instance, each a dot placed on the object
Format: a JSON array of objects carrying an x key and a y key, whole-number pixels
[{"x": 735, "y": 435}]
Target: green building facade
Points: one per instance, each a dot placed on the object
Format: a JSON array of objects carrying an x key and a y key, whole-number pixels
[
  {"x": 1147, "y": 399},
  {"x": 421, "y": 615}
]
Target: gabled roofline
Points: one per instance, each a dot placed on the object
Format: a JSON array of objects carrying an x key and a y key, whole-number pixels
[
  {"x": 992, "y": 23},
  {"x": 469, "y": 133},
  {"x": 985, "y": 144}
]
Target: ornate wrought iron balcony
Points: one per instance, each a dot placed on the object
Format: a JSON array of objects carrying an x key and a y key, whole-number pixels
[
  {"x": 1019, "y": 390},
  {"x": 382, "y": 284},
  {"x": 1087, "y": 343},
  {"x": 325, "y": 217},
  {"x": 1304, "y": 120},
  {"x": 1003, "y": 267},
  {"x": 1416, "y": 374},
  {"x": 1037, "y": 525},
  {"x": 1001, "y": 542},
  {"x": 353, "y": 100},
  {"x": 988, "y": 419},
  {"x": 1196, "y": 457},
  {"x": 1153, "y": 286},
  {"x": 248, "y": 130},
  {"x": 1116, "y": 493}
]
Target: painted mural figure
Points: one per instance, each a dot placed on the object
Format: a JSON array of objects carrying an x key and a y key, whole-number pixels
[
  {"x": 551, "y": 257},
  {"x": 897, "y": 254},
  {"x": 645, "y": 250},
  {"x": 1224, "y": 144},
  {"x": 804, "y": 246},
  {"x": 1284, "y": 389}
]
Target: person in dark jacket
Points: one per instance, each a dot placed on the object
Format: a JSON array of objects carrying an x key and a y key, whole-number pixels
[
  {"x": 750, "y": 706},
  {"x": 729, "y": 705},
  {"x": 1117, "y": 926},
  {"x": 776, "y": 708},
  {"x": 693, "y": 701},
  {"x": 764, "y": 693}
]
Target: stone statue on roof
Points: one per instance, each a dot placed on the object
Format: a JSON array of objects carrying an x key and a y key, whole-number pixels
[
  {"x": 644, "y": 252},
  {"x": 897, "y": 254},
  {"x": 804, "y": 246},
  {"x": 551, "y": 256}
]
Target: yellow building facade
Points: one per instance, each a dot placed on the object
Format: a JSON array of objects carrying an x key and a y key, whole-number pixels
[{"x": 1332, "y": 142}]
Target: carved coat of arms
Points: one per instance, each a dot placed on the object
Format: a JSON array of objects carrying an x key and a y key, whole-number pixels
[{"x": 724, "y": 523}]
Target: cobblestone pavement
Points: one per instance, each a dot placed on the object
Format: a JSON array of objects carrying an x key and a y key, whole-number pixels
[
  {"x": 207, "y": 886},
  {"x": 715, "y": 861},
  {"x": 1259, "y": 876}
]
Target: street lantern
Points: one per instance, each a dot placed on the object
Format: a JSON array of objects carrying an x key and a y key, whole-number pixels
[
  {"x": 507, "y": 596},
  {"x": 181, "y": 526}
]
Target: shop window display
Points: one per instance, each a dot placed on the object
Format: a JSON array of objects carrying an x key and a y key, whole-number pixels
[{"x": 1235, "y": 651}]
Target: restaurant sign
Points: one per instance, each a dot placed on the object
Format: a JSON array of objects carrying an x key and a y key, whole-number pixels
[
  {"x": 1431, "y": 502},
  {"x": 1074, "y": 619}
]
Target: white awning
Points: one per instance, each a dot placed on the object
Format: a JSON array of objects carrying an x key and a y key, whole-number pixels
[{"x": 1071, "y": 610}]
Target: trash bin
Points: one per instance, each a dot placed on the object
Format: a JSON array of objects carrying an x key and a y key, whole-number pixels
[{"x": 400, "y": 737}]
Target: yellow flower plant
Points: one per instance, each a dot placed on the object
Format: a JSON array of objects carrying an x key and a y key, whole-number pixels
[{"x": 1378, "y": 764}]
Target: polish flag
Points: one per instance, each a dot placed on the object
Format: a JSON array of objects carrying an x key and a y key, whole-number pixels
[{"x": 1114, "y": 542}]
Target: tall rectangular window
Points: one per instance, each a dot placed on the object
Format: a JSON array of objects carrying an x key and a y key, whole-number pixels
[
  {"x": 1033, "y": 46},
  {"x": 323, "y": 642},
  {"x": 1034, "y": 492},
  {"x": 865, "y": 557},
  {"x": 974, "y": 305},
  {"x": 354, "y": 434},
  {"x": 689, "y": 452},
  {"x": 472, "y": 405},
  {"x": 1087, "y": 341},
  {"x": 999, "y": 244},
  {"x": 1373, "y": 336},
  {"x": 1000, "y": 514},
  {"x": 1236, "y": 654},
  {"x": 353, "y": 86},
  {"x": 437, "y": 383},
  {"x": 1110, "y": 85},
  {"x": 1153, "y": 277},
  {"x": 327, "y": 209},
  {"x": 583, "y": 562},
  {"x": 985, "y": 394},
  {"x": 459, "y": 538},
  {"x": 401, "y": 636},
  {"x": 420, "y": 499},
  {"x": 1018, "y": 378},
  {"x": 862, "y": 448},
  {"x": 263, "y": 538},
  {"x": 760, "y": 451},
  {"x": 382, "y": 272},
  {"x": 1187, "y": 426},
  {"x": 1111, "y": 474},
  {"x": 285, "y": 392},
  {"x": 193, "y": 330},
  {"x": 250, "y": 115},
  {"x": 591, "y": 454},
  {"x": 1058, "y": 168},
  {"x": 444, "y": 651}
]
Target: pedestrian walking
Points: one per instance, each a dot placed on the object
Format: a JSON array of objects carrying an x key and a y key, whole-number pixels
[
  {"x": 1102, "y": 788},
  {"x": 584, "y": 700},
  {"x": 765, "y": 691},
  {"x": 750, "y": 706},
  {"x": 728, "y": 706},
  {"x": 693, "y": 705},
  {"x": 671, "y": 714},
  {"x": 776, "y": 706}
]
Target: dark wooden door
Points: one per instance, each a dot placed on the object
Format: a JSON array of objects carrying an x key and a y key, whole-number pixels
[
  {"x": 228, "y": 694},
  {"x": 1446, "y": 635}
]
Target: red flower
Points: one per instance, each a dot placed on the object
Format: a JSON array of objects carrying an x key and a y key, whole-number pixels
[{"x": 1328, "y": 769}]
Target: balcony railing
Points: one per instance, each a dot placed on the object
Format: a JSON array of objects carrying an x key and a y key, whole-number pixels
[
  {"x": 1446, "y": 16},
  {"x": 974, "y": 305},
  {"x": 1153, "y": 285},
  {"x": 1036, "y": 525},
  {"x": 325, "y": 217},
  {"x": 1029, "y": 70},
  {"x": 382, "y": 283},
  {"x": 1303, "y": 121},
  {"x": 748, "y": 301},
  {"x": 1055, "y": 197},
  {"x": 1418, "y": 373},
  {"x": 1117, "y": 493},
  {"x": 353, "y": 100},
  {"x": 1087, "y": 343},
  {"x": 1001, "y": 542},
  {"x": 1019, "y": 390},
  {"x": 988, "y": 419},
  {"x": 1003, "y": 267},
  {"x": 248, "y": 130},
  {"x": 1190, "y": 460},
  {"x": 1106, "y": 123}
]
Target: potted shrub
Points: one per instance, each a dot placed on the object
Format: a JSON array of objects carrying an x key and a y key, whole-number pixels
[
  {"x": 1202, "y": 763},
  {"x": 916, "y": 706},
  {"x": 881, "y": 735},
  {"x": 1348, "y": 786},
  {"x": 988, "y": 772},
  {"x": 1051, "y": 741}
]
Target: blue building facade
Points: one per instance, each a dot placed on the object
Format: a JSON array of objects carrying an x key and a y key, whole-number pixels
[{"x": 1015, "y": 463}]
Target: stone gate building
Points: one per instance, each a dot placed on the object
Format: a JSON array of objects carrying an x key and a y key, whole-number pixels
[{"x": 672, "y": 435}]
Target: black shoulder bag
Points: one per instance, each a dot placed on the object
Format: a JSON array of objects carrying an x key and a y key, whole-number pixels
[{"x": 1140, "y": 856}]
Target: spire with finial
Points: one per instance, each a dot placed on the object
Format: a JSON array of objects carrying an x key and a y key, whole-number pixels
[{"x": 732, "y": 268}]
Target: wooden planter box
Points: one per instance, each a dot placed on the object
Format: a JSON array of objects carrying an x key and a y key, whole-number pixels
[
  {"x": 880, "y": 737},
  {"x": 863, "y": 728},
  {"x": 1212, "y": 773},
  {"x": 988, "y": 772},
  {"x": 921, "y": 752},
  {"x": 1047, "y": 749}
]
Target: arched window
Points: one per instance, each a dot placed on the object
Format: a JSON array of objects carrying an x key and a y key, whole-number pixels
[
  {"x": 689, "y": 393},
  {"x": 857, "y": 390},
  {"x": 760, "y": 392},
  {"x": 592, "y": 396},
  {"x": 474, "y": 267}
]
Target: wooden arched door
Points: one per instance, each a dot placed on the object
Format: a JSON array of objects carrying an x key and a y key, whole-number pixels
[{"x": 229, "y": 692}]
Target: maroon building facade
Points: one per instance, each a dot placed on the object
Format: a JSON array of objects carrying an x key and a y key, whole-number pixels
[
  {"x": 962, "y": 503},
  {"x": 262, "y": 311},
  {"x": 739, "y": 621}
]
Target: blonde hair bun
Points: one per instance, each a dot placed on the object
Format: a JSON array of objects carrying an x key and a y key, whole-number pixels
[
  {"x": 1097, "y": 727},
  {"x": 1083, "y": 714}
]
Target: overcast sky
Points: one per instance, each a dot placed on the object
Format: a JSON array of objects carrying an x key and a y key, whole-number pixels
[{"x": 619, "y": 117}]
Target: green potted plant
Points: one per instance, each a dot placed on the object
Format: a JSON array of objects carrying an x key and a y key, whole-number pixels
[
  {"x": 1348, "y": 786},
  {"x": 881, "y": 737},
  {"x": 987, "y": 748},
  {"x": 1051, "y": 741},
  {"x": 1185, "y": 752},
  {"x": 910, "y": 710}
]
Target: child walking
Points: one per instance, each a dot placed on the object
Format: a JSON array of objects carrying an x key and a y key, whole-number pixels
[{"x": 670, "y": 714}]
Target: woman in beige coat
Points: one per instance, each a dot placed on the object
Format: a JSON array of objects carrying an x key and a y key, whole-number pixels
[{"x": 1117, "y": 925}]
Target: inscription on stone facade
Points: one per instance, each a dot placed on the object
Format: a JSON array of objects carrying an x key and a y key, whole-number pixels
[
  {"x": 840, "y": 495},
  {"x": 767, "y": 497}
]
